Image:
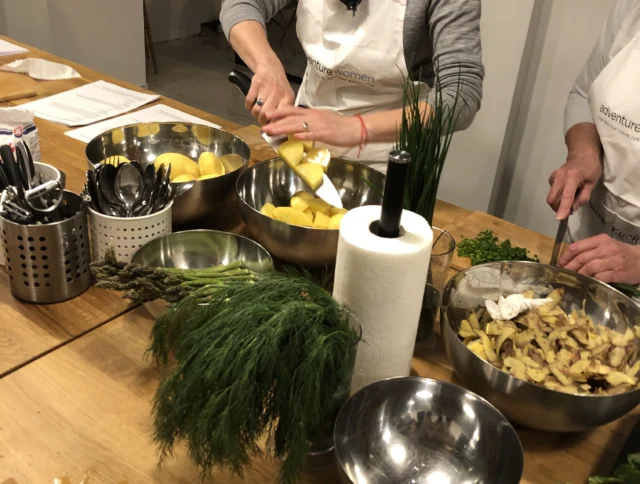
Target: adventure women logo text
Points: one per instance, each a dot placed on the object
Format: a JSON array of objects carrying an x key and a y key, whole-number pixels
[
  {"x": 622, "y": 120},
  {"x": 349, "y": 76}
]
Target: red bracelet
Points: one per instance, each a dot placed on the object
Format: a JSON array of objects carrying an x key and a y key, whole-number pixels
[{"x": 364, "y": 135}]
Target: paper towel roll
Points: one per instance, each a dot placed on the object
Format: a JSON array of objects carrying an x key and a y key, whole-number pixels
[{"x": 382, "y": 282}]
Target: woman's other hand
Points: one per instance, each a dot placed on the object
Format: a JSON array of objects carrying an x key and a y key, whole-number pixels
[
  {"x": 270, "y": 86},
  {"x": 605, "y": 259},
  {"x": 323, "y": 126}
]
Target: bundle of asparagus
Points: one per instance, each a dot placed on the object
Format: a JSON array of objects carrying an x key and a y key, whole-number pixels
[{"x": 144, "y": 283}]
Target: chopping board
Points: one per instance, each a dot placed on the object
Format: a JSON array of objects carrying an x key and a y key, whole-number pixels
[
  {"x": 537, "y": 244},
  {"x": 16, "y": 86}
]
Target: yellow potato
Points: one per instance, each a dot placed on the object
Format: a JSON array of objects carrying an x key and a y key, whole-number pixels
[
  {"x": 311, "y": 174},
  {"x": 321, "y": 221},
  {"x": 210, "y": 164},
  {"x": 299, "y": 204},
  {"x": 203, "y": 133},
  {"x": 179, "y": 128},
  {"x": 267, "y": 209},
  {"x": 180, "y": 165},
  {"x": 115, "y": 160},
  {"x": 336, "y": 211},
  {"x": 207, "y": 177},
  {"x": 117, "y": 137},
  {"x": 319, "y": 205},
  {"x": 292, "y": 216},
  {"x": 319, "y": 156},
  {"x": 334, "y": 222},
  {"x": 307, "y": 145},
  {"x": 231, "y": 162},
  {"x": 291, "y": 152},
  {"x": 183, "y": 179},
  {"x": 309, "y": 212},
  {"x": 148, "y": 129},
  {"x": 306, "y": 196}
]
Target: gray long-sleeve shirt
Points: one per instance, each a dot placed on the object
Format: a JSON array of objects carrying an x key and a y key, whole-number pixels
[{"x": 446, "y": 31}]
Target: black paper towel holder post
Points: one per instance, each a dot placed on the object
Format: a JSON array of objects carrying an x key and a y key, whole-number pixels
[{"x": 393, "y": 198}]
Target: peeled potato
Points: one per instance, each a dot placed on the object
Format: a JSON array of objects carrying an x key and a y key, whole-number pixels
[
  {"x": 335, "y": 211},
  {"x": 117, "y": 137},
  {"x": 310, "y": 173},
  {"x": 318, "y": 205},
  {"x": 319, "y": 156},
  {"x": 334, "y": 222},
  {"x": 299, "y": 204},
  {"x": 292, "y": 216},
  {"x": 183, "y": 179},
  {"x": 179, "y": 128},
  {"x": 207, "y": 177},
  {"x": 180, "y": 165},
  {"x": 231, "y": 162},
  {"x": 267, "y": 209},
  {"x": 321, "y": 221},
  {"x": 148, "y": 129},
  {"x": 210, "y": 164},
  {"x": 309, "y": 212},
  {"x": 307, "y": 145},
  {"x": 115, "y": 160},
  {"x": 291, "y": 152}
]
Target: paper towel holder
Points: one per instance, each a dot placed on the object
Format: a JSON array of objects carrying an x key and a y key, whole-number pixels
[
  {"x": 374, "y": 227},
  {"x": 393, "y": 199}
]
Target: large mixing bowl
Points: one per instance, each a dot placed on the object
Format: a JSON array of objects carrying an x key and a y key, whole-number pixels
[
  {"x": 418, "y": 430},
  {"x": 144, "y": 142},
  {"x": 200, "y": 249},
  {"x": 527, "y": 404},
  {"x": 273, "y": 181}
]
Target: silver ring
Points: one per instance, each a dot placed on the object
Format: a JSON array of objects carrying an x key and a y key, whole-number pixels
[
  {"x": 259, "y": 102},
  {"x": 305, "y": 126}
]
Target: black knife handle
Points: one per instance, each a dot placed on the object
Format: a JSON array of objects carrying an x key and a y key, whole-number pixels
[
  {"x": 393, "y": 198},
  {"x": 240, "y": 80},
  {"x": 10, "y": 165}
]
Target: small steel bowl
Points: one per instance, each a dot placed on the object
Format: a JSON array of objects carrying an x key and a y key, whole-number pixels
[
  {"x": 144, "y": 142},
  {"x": 418, "y": 430},
  {"x": 200, "y": 249},
  {"x": 273, "y": 181},
  {"x": 524, "y": 403}
]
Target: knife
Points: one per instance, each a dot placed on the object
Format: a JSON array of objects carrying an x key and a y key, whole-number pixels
[
  {"x": 327, "y": 190},
  {"x": 562, "y": 229}
]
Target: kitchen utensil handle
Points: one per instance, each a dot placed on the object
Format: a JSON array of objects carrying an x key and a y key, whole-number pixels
[
  {"x": 393, "y": 198},
  {"x": 23, "y": 166},
  {"x": 10, "y": 165},
  {"x": 240, "y": 80}
]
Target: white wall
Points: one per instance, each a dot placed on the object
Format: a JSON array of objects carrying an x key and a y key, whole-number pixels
[
  {"x": 105, "y": 35},
  {"x": 3, "y": 19},
  {"x": 473, "y": 157},
  {"x": 178, "y": 19},
  {"x": 567, "y": 32}
]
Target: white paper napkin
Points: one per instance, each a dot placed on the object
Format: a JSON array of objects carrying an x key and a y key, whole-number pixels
[{"x": 41, "y": 69}]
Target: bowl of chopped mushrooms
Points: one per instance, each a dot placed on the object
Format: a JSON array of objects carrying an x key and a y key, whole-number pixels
[{"x": 553, "y": 350}]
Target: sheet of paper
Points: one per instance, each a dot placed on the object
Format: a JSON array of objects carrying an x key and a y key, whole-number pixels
[
  {"x": 88, "y": 104},
  {"x": 159, "y": 113},
  {"x": 10, "y": 49}
]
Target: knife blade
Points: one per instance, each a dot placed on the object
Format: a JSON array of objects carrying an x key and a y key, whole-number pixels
[
  {"x": 327, "y": 190},
  {"x": 562, "y": 229}
]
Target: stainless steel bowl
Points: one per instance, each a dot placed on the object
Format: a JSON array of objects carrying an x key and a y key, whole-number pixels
[
  {"x": 417, "y": 430},
  {"x": 273, "y": 181},
  {"x": 144, "y": 142},
  {"x": 522, "y": 402},
  {"x": 199, "y": 249}
]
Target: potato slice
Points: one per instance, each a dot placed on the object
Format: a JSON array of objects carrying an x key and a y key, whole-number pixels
[
  {"x": 291, "y": 153},
  {"x": 180, "y": 165},
  {"x": 336, "y": 211},
  {"x": 321, "y": 221},
  {"x": 320, "y": 157},
  {"x": 318, "y": 205},
  {"x": 267, "y": 209},
  {"x": 299, "y": 204},
  {"x": 183, "y": 179},
  {"x": 309, "y": 212},
  {"x": 292, "y": 216},
  {"x": 308, "y": 145},
  {"x": 207, "y": 177},
  {"x": 334, "y": 222},
  {"x": 210, "y": 164},
  {"x": 149, "y": 129},
  {"x": 311, "y": 174}
]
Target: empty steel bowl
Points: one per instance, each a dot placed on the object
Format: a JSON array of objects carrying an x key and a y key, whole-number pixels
[
  {"x": 144, "y": 142},
  {"x": 417, "y": 430},
  {"x": 200, "y": 249},
  {"x": 273, "y": 181},
  {"x": 524, "y": 403}
]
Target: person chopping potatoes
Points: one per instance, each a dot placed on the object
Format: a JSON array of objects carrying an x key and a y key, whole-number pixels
[
  {"x": 600, "y": 180},
  {"x": 358, "y": 54}
]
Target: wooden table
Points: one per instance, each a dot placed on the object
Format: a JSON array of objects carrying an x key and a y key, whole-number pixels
[{"x": 76, "y": 394}]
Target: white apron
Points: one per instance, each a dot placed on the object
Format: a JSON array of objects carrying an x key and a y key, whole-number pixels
[
  {"x": 614, "y": 208},
  {"x": 355, "y": 63}
]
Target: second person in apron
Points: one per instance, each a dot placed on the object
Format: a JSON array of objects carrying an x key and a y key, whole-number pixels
[
  {"x": 601, "y": 179},
  {"x": 356, "y": 63}
]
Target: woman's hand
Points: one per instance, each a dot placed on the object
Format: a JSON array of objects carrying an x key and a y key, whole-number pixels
[
  {"x": 271, "y": 87},
  {"x": 573, "y": 183},
  {"x": 323, "y": 126},
  {"x": 604, "y": 258}
]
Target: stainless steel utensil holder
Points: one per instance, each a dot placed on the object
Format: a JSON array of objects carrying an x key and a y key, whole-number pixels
[{"x": 49, "y": 263}]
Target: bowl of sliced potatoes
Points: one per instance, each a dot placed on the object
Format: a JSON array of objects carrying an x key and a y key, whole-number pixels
[
  {"x": 205, "y": 162},
  {"x": 284, "y": 215},
  {"x": 552, "y": 349}
]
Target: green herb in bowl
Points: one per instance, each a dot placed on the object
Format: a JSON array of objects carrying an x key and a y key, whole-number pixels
[{"x": 486, "y": 248}]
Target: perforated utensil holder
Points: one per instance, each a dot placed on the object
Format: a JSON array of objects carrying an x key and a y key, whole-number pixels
[
  {"x": 126, "y": 234},
  {"x": 49, "y": 263}
]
